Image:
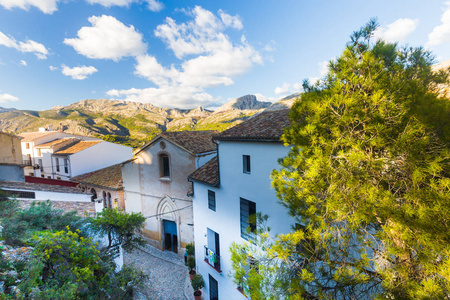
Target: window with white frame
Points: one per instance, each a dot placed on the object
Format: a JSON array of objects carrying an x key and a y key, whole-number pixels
[{"x": 164, "y": 166}]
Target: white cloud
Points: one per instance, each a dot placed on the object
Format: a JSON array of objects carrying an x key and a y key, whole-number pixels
[
  {"x": 107, "y": 38},
  {"x": 261, "y": 97},
  {"x": 284, "y": 89},
  {"x": 397, "y": 31},
  {"x": 52, "y": 68},
  {"x": 323, "y": 67},
  {"x": 109, "y": 3},
  {"x": 231, "y": 21},
  {"x": 213, "y": 60},
  {"x": 29, "y": 46},
  {"x": 7, "y": 97},
  {"x": 441, "y": 33},
  {"x": 168, "y": 96},
  {"x": 46, "y": 6},
  {"x": 23, "y": 63},
  {"x": 78, "y": 73},
  {"x": 154, "y": 5}
]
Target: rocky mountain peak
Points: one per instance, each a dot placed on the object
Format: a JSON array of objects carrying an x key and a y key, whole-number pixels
[{"x": 243, "y": 103}]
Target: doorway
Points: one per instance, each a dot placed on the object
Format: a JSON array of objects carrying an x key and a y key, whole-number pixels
[{"x": 170, "y": 236}]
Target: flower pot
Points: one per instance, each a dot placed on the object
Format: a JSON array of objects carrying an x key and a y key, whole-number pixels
[
  {"x": 198, "y": 295},
  {"x": 192, "y": 274}
]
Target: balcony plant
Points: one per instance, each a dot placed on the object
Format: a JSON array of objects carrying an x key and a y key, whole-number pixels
[{"x": 197, "y": 284}]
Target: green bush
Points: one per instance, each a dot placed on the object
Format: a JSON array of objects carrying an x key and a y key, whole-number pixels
[{"x": 197, "y": 282}]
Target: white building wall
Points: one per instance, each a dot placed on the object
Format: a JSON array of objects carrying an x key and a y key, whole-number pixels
[
  {"x": 56, "y": 196},
  {"x": 225, "y": 220},
  {"x": 96, "y": 157}
]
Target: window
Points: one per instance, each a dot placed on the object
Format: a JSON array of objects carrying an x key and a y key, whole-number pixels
[
  {"x": 248, "y": 219},
  {"x": 212, "y": 200},
  {"x": 49, "y": 177},
  {"x": 27, "y": 145},
  {"x": 108, "y": 197},
  {"x": 31, "y": 174},
  {"x": 57, "y": 177},
  {"x": 164, "y": 166},
  {"x": 213, "y": 288},
  {"x": 212, "y": 250},
  {"x": 66, "y": 165},
  {"x": 246, "y": 163},
  {"x": 57, "y": 164},
  {"x": 41, "y": 167}
]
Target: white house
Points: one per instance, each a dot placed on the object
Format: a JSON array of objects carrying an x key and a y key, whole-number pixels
[
  {"x": 155, "y": 184},
  {"x": 229, "y": 189},
  {"x": 37, "y": 148},
  {"x": 86, "y": 156}
]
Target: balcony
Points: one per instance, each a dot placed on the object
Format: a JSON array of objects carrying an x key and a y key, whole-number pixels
[
  {"x": 27, "y": 162},
  {"x": 212, "y": 259}
]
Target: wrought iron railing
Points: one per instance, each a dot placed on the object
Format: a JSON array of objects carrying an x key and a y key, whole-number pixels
[{"x": 212, "y": 259}]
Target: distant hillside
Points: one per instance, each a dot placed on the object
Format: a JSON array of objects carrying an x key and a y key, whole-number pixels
[{"x": 129, "y": 123}]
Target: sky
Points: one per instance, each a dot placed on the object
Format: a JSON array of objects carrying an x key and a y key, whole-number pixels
[{"x": 187, "y": 53}]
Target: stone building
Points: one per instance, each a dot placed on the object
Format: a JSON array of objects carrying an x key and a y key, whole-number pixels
[{"x": 155, "y": 184}]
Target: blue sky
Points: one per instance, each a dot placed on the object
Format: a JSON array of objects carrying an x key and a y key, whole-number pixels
[{"x": 189, "y": 53}]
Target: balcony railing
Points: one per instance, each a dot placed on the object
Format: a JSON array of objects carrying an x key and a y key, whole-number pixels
[
  {"x": 27, "y": 162},
  {"x": 212, "y": 259}
]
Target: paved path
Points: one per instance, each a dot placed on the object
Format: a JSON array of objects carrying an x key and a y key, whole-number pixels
[{"x": 168, "y": 276}]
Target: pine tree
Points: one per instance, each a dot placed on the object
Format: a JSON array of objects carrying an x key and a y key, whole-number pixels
[{"x": 368, "y": 179}]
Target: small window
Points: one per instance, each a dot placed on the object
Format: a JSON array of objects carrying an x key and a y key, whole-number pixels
[
  {"x": 57, "y": 164},
  {"x": 66, "y": 166},
  {"x": 31, "y": 174},
  {"x": 248, "y": 219},
  {"x": 213, "y": 288},
  {"x": 246, "y": 163},
  {"x": 212, "y": 200},
  {"x": 164, "y": 165},
  {"x": 27, "y": 145},
  {"x": 49, "y": 177},
  {"x": 59, "y": 178}
]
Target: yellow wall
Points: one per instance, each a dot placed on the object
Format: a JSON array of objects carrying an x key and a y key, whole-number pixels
[{"x": 10, "y": 149}]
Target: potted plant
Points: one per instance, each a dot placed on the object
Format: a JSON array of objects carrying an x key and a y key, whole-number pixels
[
  {"x": 191, "y": 265},
  {"x": 190, "y": 249},
  {"x": 197, "y": 283}
]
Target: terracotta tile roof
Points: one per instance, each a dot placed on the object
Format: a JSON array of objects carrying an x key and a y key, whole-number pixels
[
  {"x": 109, "y": 177},
  {"x": 195, "y": 142},
  {"x": 267, "y": 126},
  {"x": 74, "y": 148},
  {"x": 54, "y": 143},
  {"x": 208, "y": 173},
  {"x": 31, "y": 136},
  {"x": 16, "y": 185}
]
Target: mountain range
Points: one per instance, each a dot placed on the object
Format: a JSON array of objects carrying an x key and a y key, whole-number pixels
[{"x": 132, "y": 123}]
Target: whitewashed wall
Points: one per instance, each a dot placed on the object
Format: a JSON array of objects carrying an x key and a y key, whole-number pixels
[
  {"x": 225, "y": 220},
  {"x": 99, "y": 156}
]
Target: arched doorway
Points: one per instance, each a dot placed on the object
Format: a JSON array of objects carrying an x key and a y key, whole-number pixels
[{"x": 169, "y": 220}]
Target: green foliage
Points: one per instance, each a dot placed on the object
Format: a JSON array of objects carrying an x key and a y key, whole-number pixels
[
  {"x": 197, "y": 282},
  {"x": 121, "y": 228},
  {"x": 20, "y": 226},
  {"x": 368, "y": 179},
  {"x": 191, "y": 263},
  {"x": 190, "y": 249}
]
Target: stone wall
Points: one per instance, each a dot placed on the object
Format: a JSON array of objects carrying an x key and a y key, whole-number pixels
[{"x": 82, "y": 208}]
